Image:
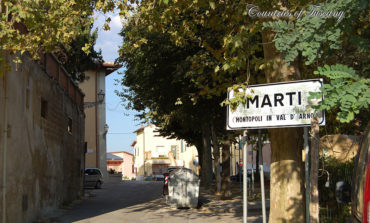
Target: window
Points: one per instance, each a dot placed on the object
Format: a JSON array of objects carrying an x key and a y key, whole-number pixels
[
  {"x": 161, "y": 151},
  {"x": 69, "y": 127},
  {"x": 174, "y": 151},
  {"x": 133, "y": 169},
  {"x": 44, "y": 108}
]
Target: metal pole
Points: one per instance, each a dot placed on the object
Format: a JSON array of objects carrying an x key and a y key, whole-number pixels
[
  {"x": 240, "y": 172},
  {"x": 252, "y": 191},
  {"x": 307, "y": 173},
  {"x": 5, "y": 137},
  {"x": 262, "y": 176},
  {"x": 245, "y": 175},
  {"x": 231, "y": 159}
]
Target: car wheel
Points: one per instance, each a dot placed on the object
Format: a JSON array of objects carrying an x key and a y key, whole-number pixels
[{"x": 98, "y": 185}]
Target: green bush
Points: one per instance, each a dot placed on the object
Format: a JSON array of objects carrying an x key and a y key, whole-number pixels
[
  {"x": 111, "y": 171},
  {"x": 330, "y": 210}
]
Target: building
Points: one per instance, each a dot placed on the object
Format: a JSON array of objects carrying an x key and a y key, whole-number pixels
[
  {"x": 121, "y": 162},
  {"x": 114, "y": 163},
  {"x": 237, "y": 161},
  {"x": 41, "y": 138},
  {"x": 154, "y": 153},
  {"x": 95, "y": 124}
]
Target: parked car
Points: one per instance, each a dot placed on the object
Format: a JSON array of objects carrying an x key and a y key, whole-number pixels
[
  {"x": 166, "y": 175},
  {"x": 360, "y": 191},
  {"x": 93, "y": 178}
]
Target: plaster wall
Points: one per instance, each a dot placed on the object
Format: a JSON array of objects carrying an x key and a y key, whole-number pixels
[
  {"x": 95, "y": 120},
  {"x": 126, "y": 166},
  {"x": 237, "y": 155},
  {"x": 89, "y": 88},
  {"x": 154, "y": 146}
]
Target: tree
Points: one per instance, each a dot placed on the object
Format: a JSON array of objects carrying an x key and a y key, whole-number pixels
[
  {"x": 46, "y": 26},
  {"x": 322, "y": 42},
  {"x": 161, "y": 62},
  {"x": 315, "y": 38},
  {"x": 76, "y": 60},
  {"x": 151, "y": 57},
  {"x": 227, "y": 39}
]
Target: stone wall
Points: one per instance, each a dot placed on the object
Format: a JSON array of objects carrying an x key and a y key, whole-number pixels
[
  {"x": 341, "y": 147},
  {"x": 44, "y": 139}
]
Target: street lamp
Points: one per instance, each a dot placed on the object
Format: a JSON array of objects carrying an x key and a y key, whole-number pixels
[
  {"x": 100, "y": 99},
  {"x": 106, "y": 128}
]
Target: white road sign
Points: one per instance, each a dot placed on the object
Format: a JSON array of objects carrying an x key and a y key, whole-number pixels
[{"x": 276, "y": 105}]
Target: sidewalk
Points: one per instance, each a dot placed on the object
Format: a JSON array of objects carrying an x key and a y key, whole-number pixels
[{"x": 212, "y": 203}]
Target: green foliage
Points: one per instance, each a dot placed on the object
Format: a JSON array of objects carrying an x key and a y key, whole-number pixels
[
  {"x": 322, "y": 42},
  {"x": 45, "y": 26},
  {"x": 330, "y": 210},
  {"x": 77, "y": 60},
  {"x": 305, "y": 36},
  {"x": 225, "y": 35},
  {"x": 314, "y": 37},
  {"x": 346, "y": 91},
  {"x": 32, "y": 26},
  {"x": 160, "y": 83},
  {"x": 111, "y": 171}
]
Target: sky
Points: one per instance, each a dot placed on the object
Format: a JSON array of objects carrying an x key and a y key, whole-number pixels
[{"x": 121, "y": 122}]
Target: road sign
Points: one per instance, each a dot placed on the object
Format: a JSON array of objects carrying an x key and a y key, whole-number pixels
[{"x": 276, "y": 105}]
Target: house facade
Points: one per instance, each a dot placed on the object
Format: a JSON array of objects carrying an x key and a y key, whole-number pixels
[
  {"x": 95, "y": 124},
  {"x": 237, "y": 162},
  {"x": 41, "y": 138},
  {"x": 121, "y": 162},
  {"x": 154, "y": 153}
]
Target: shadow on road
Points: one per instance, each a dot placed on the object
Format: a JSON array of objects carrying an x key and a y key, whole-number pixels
[
  {"x": 112, "y": 197},
  {"x": 137, "y": 202}
]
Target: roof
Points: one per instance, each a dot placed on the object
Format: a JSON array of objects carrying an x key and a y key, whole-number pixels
[
  {"x": 122, "y": 152},
  {"x": 141, "y": 128},
  {"x": 113, "y": 157},
  {"x": 110, "y": 67}
]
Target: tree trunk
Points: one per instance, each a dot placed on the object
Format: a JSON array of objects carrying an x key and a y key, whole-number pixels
[
  {"x": 206, "y": 168},
  {"x": 225, "y": 175},
  {"x": 286, "y": 193},
  {"x": 200, "y": 152},
  {"x": 216, "y": 161},
  {"x": 314, "y": 171}
]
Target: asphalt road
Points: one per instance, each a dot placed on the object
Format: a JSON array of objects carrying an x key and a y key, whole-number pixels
[{"x": 135, "y": 202}]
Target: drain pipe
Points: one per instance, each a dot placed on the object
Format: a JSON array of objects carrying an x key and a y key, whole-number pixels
[{"x": 5, "y": 137}]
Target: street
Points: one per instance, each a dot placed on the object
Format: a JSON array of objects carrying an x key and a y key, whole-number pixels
[{"x": 136, "y": 201}]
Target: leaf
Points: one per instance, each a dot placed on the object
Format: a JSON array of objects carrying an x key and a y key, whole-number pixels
[{"x": 226, "y": 66}]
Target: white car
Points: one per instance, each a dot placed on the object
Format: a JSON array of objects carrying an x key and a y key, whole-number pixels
[{"x": 93, "y": 178}]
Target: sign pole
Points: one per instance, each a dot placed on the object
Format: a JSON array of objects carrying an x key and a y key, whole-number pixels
[
  {"x": 307, "y": 173},
  {"x": 240, "y": 172},
  {"x": 245, "y": 175},
  {"x": 252, "y": 189},
  {"x": 262, "y": 176}
]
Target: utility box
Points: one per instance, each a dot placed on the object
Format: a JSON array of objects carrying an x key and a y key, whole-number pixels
[{"x": 183, "y": 188}]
